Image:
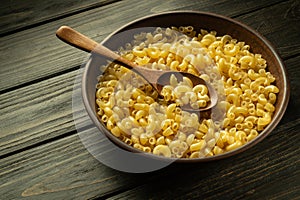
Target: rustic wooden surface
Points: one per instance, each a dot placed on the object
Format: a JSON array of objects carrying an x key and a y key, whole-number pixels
[{"x": 42, "y": 156}]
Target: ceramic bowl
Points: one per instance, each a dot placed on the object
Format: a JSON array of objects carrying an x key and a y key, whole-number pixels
[{"x": 199, "y": 20}]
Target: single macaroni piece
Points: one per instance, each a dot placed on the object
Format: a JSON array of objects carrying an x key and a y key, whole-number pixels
[
  {"x": 136, "y": 114},
  {"x": 162, "y": 150}
]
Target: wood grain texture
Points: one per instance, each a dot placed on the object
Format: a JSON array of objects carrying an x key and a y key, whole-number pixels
[
  {"x": 19, "y": 14},
  {"x": 38, "y": 50},
  {"x": 65, "y": 169},
  {"x": 42, "y": 156},
  {"x": 43, "y": 110},
  {"x": 40, "y": 111},
  {"x": 42, "y": 167},
  {"x": 281, "y": 26}
]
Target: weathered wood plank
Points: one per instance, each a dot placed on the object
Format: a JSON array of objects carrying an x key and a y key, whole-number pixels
[
  {"x": 40, "y": 111},
  {"x": 280, "y": 26},
  {"x": 64, "y": 166},
  {"x": 38, "y": 50},
  {"x": 63, "y": 169},
  {"x": 19, "y": 14},
  {"x": 293, "y": 111},
  {"x": 43, "y": 111},
  {"x": 270, "y": 171},
  {"x": 37, "y": 173}
]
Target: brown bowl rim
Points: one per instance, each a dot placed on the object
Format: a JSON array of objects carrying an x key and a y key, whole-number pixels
[{"x": 275, "y": 120}]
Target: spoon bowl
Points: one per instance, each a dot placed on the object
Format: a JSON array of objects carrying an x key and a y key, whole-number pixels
[
  {"x": 164, "y": 79},
  {"x": 157, "y": 78}
]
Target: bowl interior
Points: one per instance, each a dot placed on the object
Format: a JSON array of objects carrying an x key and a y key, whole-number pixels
[{"x": 198, "y": 20}]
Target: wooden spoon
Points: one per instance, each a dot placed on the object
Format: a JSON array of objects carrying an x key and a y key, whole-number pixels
[{"x": 157, "y": 78}]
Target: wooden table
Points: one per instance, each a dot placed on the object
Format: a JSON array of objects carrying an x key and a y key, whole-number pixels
[{"x": 42, "y": 156}]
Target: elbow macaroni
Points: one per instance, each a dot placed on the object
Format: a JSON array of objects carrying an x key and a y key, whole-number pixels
[
  {"x": 134, "y": 112},
  {"x": 183, "y": 93}
]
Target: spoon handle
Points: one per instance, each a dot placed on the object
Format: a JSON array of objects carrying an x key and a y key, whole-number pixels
[{"x": 78, "y": 40}]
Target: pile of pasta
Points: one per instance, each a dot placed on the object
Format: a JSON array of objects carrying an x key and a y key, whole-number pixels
[
  {"x": 185, "y": 94},
  {"x": 136, "y": 114}
]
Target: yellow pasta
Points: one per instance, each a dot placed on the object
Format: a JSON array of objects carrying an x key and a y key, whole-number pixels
[
  {"x": 136, "y": 114},
  {"x": 197, "y": 146},
  {"x": 183, "y": 93},
  {"x": 162, "y": 150},
  {"x": 168, "y": 131}
]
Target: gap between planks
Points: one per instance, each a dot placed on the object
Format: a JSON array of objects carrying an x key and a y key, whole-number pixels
[
  {"x": 28, "y": 10},
  {"x": 46, "y": 55}
]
